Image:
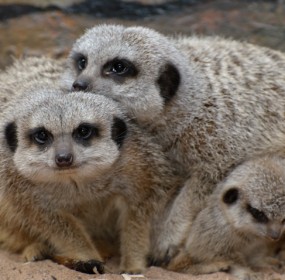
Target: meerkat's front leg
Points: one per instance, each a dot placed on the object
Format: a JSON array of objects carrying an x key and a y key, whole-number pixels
[
  {"x": 37, "y": 251},
  {"x": 71, "y": 245},
  {"x": 74, "y": 247},
  {"x": 135, "y": 242},
  {"x": 177, "y": 221}
]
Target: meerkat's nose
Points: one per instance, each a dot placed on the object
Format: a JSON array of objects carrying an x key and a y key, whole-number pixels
[
  {"x": 64, "y": 159},
  {"x": 274, "y": 234},
  {"x": 79, "y": 85}
]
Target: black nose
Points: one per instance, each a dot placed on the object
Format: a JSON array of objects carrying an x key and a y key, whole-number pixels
[
  {"x": 80, "y": 85},
  {"x": 64, "y": 160}
]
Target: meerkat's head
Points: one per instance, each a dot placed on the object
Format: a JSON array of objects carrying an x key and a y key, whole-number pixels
[
  {"x": 136, "y": 66},
  {"x": 58, "y": 137},
  {"x": 253, "y": 198}
]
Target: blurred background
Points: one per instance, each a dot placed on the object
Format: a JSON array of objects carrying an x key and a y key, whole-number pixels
[{"x": 49, "y": 27}]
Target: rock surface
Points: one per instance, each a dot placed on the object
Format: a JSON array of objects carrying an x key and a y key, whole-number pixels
[
  {"x": 49, "y": 27},
  {"x": 51, "y": 30}
]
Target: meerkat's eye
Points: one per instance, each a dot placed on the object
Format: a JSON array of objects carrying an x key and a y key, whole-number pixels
[
  {"x": 85, "y": 132},
  {"x": 80, "y": 61},
  {"x": 258, "y": 215},
  {"x": 283, "y": 222},
  {"x": 119, "y": 67},
  {"x": 41, "y": 136}
]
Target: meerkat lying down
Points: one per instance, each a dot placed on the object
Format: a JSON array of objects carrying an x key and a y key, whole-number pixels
[
  {"x": 244, "y": 217},
  {"x": 62, "y": 157},
  {"x": 211, "y": 103}
]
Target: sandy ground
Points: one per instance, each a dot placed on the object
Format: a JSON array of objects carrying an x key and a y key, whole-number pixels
[{"x": 12, "y": 267}]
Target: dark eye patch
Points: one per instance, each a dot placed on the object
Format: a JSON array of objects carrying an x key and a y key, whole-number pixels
[
  {"x": 11, "y": 136},
  {"x": 119, "y": 131},
  {"x": 258, "y": 215},
  {"x": 80, "y": 61},
  {"x": 40, "y": 136},
  {"x": 231, "y": 196},
  {"x": 119, "y": 68},
  {"x": 85, "y": 132},
  {"x": 168, "y": 81}
]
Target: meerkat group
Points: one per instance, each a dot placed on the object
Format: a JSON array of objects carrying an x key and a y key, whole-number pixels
[
  {"x": 208, "y": 106},
  {"x": 211, "y": 103}
]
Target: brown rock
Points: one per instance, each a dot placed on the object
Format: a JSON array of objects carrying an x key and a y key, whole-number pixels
[
  {"x": 53, "y": 32},
  {"x": 42, "y": 3},
  {"x": 149, "y": 2}
]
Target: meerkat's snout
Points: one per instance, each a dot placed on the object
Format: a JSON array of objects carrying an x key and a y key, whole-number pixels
[
  {"x": 274, "y": 232},
  {"x": 64, "y": 159},
  {"x": 64, "y": 154},
  {"x": 80, "y": 85}
]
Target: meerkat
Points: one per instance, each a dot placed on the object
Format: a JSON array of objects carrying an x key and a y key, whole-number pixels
[
  {"x": 61, "y": 156},
  {"x": 210, "y": 102},
  {"x": 243, "y": 217},
  {"x": 25, "y": 73}
]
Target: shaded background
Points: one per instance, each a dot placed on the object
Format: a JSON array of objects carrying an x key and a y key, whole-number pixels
[{"x": 29, "y": 27}]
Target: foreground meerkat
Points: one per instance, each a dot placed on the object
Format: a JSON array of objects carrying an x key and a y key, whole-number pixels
[
  {"x": 63, "y": 155},
  {"x": 211, "y": 103},
  {"x": 243, "y": 217}
]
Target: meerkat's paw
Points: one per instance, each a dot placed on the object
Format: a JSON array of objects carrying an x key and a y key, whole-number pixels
[
  {"x": 88, "y": 266},
  {"x": 184, "y": 263},
  {"x": 136, "y": 267},
  {"x": 274, "y": 264},
  {"x": 36, "y": 252},
  {"x": 268, "y": 264},
  {"x": 243, "y": 273},
  {"x": 132, "y": 271},
  {"x": 164, "y": 257}
]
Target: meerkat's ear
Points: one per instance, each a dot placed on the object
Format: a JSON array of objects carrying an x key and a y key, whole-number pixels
[
  {"x": 119, "y": 131},
  {"x": 11, "y": 136},
  {"x": 231, "y": 196},
  {"x": 168, "y": 81}
]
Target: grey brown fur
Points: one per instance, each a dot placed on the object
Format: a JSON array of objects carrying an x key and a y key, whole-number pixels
[
  {"x": 56, "y": 195},
  {"x": 244, "y": 216},
  {"x": 212, "y": 103},
  {"x": 26, "y": 72}
]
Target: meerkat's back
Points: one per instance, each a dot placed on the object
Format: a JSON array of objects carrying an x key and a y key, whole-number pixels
[{"x": 24, "y": 73}]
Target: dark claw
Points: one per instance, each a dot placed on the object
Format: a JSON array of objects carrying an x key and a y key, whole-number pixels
[
  {"x": 158, "y": 262},
  {"x": 151, "y": 261},
  {"x": 162, "y": 262},
  {"x": 82, "y": 266},
  {"x": 88, "y": 266},
  {"x": 167, "y": 259}
]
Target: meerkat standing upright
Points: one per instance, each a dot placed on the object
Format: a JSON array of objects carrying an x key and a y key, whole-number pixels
[
  {"x": 60, "y": 157},
  {"x": 212, "y": 103},
  {"x": 243, "y": 217}
]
